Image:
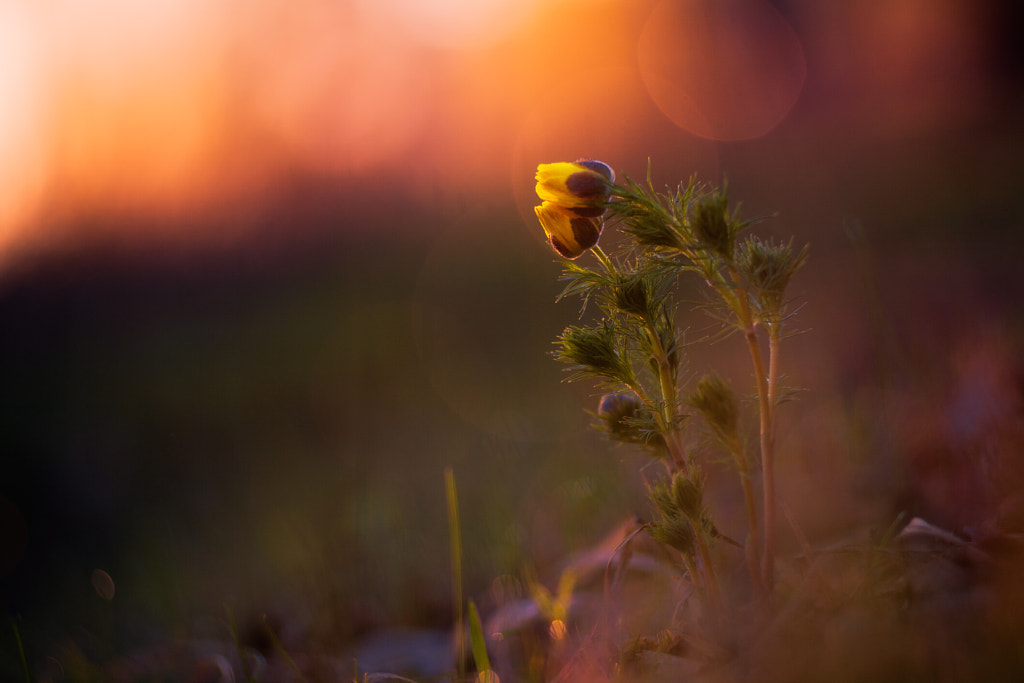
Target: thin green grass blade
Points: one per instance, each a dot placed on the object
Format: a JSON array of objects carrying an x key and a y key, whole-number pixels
[
  {"x": 282, "y": 651},
  {"x": 21, "y": 651},
  {"x": 455, "y": 539},
  {"x": 476, "y": 639}
]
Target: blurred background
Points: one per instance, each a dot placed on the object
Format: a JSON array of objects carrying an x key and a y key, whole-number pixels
[{"x": 267, "y": 268}]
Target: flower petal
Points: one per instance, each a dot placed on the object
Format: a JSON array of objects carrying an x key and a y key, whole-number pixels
[
  {"x": 598, "y": 167},
  {"x": 584, "y": 183},
  {"x": 569, "y": 234}
]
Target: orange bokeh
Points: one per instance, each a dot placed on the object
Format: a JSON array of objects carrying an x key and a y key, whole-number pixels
[
  {"x": 723, "y": 71},
  {"x": 172, "y": 108}
]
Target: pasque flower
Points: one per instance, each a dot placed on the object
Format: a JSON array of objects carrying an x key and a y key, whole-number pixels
[
  {"x": 574, "y": 197},
  {"x": 569, "y": 233},
  {"x": 584, "y": 185}
]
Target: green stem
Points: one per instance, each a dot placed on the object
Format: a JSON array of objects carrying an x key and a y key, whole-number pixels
[
  {"x": 714, "y": 593},
  {"x": 767, "y": 460},
  {"x": 765, "y": 415},
  {"x": 753, "y": 545},
  {"x": 603, "y": 258},
  {"x": 667, "y": 382},
  {"x": 455, "y": 541},
  {"x": 768, "y": 454},
  {"x": 673, "y": 438},
  {"x": 21, "y": 651},
  {"x": 691, "y": 569}
]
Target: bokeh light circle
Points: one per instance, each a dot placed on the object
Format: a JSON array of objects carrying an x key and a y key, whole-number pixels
[{"x": 724, "y": 71}]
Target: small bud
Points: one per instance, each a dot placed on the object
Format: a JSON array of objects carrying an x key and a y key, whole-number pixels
[
  {"x": 616, "y": 411},
  {"x": 617, "y": 407},
  {"x": 625, "y": 418}
]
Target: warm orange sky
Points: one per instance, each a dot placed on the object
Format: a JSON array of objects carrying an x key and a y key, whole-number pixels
[{"x": 171, "y": 106}]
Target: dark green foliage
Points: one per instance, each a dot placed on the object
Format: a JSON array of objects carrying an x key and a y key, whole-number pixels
[
  {"x": 675, "y": 532},
  {"x": 768, "y": 268},
  {"x": 635, "y": 294},
  {"x": 717, "y": 404},
  {"x": 594, "y": 351},
  {"x": 646, "y": 219},
  {"x": 688, "y": 494},
  {"x": 681, "y": 511},
  {"x": 713, "y": 227}
]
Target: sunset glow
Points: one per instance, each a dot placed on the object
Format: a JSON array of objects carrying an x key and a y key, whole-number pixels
[{"x": 120, "y": 108}]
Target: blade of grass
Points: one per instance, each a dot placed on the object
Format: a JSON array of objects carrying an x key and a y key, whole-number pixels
[
  {"x": 477, "y": 640},
  {"x": 239, "y": 648},
  {"x": 21, "y": 651},
  {"x": 455, "y": 540},
  {"x": 279, "y": 646}
]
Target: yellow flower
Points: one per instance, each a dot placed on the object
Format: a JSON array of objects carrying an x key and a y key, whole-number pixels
[
  {"x": 585, "y": 184},
  {"x": 569, "y": 233}
]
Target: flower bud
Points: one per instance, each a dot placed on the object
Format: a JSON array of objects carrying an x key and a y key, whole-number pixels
[
  {"x": 585, "y": 184},
  {"x": 569, "y": 233},
  {"x": 615, "y": 409}
]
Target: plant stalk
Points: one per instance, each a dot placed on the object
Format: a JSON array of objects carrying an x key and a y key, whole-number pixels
[
  {"x": 768, "y": 454},
  {"x": 667, "y": 382},
  {"x": 766, "y": 419},
  {"x": 767, "y": 460},
  {"x": 753, "y": 544},
  {"x": 714, "y": 593}
]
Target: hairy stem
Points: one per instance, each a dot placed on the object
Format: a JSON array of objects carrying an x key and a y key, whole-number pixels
[
  {"x": 753, "y": 545},
  {"x": 767, "y": 460},
  {"x": 768, "y": 452},
  {"x": 766, "y": 420},
  {"x": 666, "y": 381},
  {"x": 603, "y": 258},
  {"x": 669, "y": 402},
  {"x": 673, "y": 438},
  {"x": 708, "y": 567}
]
